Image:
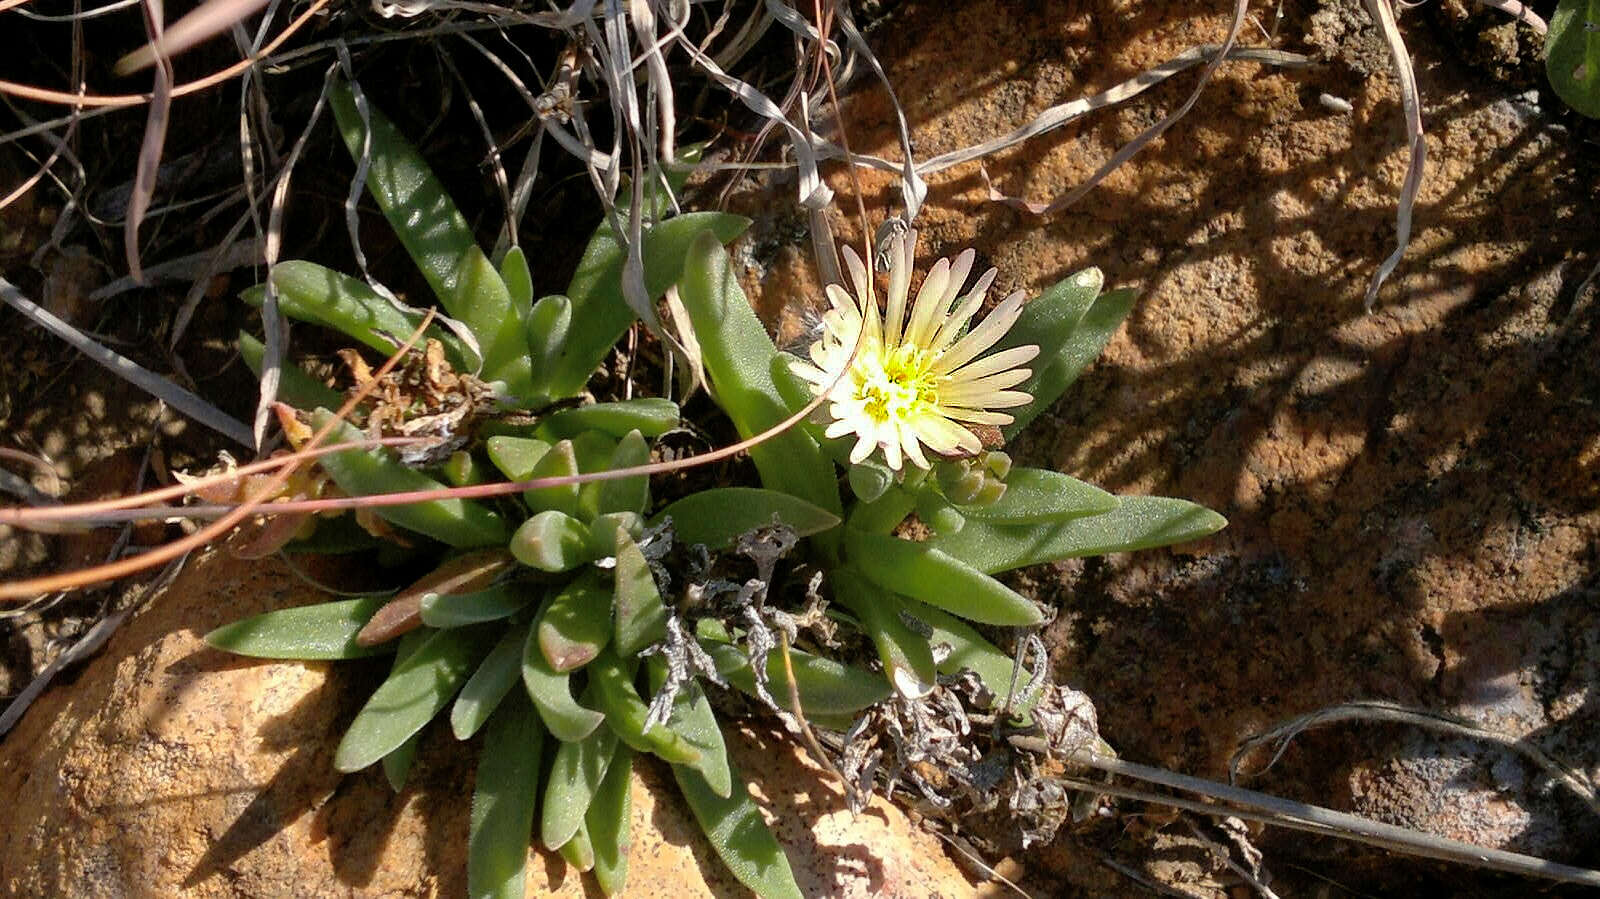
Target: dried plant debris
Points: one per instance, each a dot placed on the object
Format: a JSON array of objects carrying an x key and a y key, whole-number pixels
[
  {"x": 952, "y": 749},
  {"x": 422, "y": 397},
  {"x": 686, "y": 662},
  {"x": 948, "y": 751},
  {"x": 732, "y": 588}
]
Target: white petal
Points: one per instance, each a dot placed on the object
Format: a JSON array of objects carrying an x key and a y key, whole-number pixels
[
  {"x": 990, "y": 330},
  {"x": 958, "y": 390},
  {"x": 862, "y": 450},
  {"x": 988, "y": 365},
  {"x": 874, "y": 324},
  {"x": 913, "y": 446},
  {"x": 822, "y": 355},
  {"x": 969, "y": 306},
  {"x": 994, "y": 399},
  {"x": 894, "y": 313},
  {"x": 958, "y": 275},
  {"x": 839, "y": 429},
  {"x": 808, "y": 372},
  {"x": 977, "y": 416},
  {"x": 927, "y": 308},
  {"x": 941, "y": 435},
  {"x": 891, "y": 452},
  {"x": 842, "y": 300},
  {"x": 858, "y": 276}
]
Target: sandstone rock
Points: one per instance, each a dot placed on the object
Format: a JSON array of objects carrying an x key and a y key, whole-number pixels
[{"x": 167, "y": 769}]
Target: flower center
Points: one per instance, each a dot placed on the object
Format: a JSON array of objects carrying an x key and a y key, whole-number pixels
[{"x": 899, "y": 386}]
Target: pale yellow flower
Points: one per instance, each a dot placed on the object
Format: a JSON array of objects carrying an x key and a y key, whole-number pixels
[{"x": 917, "y": 376}]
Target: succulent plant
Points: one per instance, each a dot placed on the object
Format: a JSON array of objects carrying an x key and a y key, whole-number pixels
[{"x": 576, "y": 624}]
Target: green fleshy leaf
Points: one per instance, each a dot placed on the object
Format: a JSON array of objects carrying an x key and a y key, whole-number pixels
[
  {"x": 610, "y": 814},
  {"x": 640, "y": 615},
  {"x": 518, "y": 279},
  {"x": 438, "y": 239},
  {"x": 322, "y": 631},
  {"x": 1049, "y": 319},
  {"x": 397, "y": 764},
  {"x": 548, "y": 326},
  {"x": 969, "y": 650},
  {"x": 1138, "y": 522},
  {"x": 826, "y": 687},
  {"x": 717, "y": 517},
  {"x": 462, "y": 469},
  {"x": 650, "y": 416},
  {"x": 869, "y": 481},
  {"x": 625, "y": 713},
  {"x": 922, "y": 571},
  {"x": 295, "y": 386},
  {"x": 461, "y": 609},
  {"x": 1038, "y": 496},
  {"x": 579, "y": 851},
  {"x": 516, "y": 456},
  {"x": 738, "y": 358},
  {"x": 593, "y": 449},
  {"x": 600, "y": 315},
  {"x": 884, "y": 514},
  {"x": 318, "y": 295},
  {"x": 575, "y": 778},
  {"x": 692, "y": 719},
  {"x": 1572, "y": 55},
  {"x": 658, "y": 181},
  {"x": 1065, "y": 349},
  {"x": 907, "y": 657},
  {"x": 489, "y": 685},
  {"x": 551, "y": 692},
  {"x": 937, "y": 513},
  {"x": 627, "y": 494},
  {"x": 505, "y": 791},
  {"x": 794, "y": 390},
  {"x": 416, "y": 690},
  {"x": 367, "y": 472},
  {"x": 576, "y": 624},
  {"x": 465, "y": 573},
  {"x": 552, "y": 541},
  {"x": 734, "y": 827},
  {"x": 609, "y": 532},
  {"x": 560, "y": 462}
]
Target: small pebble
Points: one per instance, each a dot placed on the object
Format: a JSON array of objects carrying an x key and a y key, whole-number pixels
[{"x": 1334, "y": 104}]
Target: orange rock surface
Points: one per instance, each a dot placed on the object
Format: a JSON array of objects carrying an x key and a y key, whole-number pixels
[{"x": 167, "y": 769}]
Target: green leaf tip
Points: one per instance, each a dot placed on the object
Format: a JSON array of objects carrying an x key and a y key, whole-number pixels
[
  {"x": 1572, "y": 55},
  {"x": 717, "y": 517},
  {"x": 321, "y": 631}
]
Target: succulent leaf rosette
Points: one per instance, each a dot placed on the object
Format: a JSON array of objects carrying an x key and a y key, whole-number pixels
[{"x": 577, "y": 627}]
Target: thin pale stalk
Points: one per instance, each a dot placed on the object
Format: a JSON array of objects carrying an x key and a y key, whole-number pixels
[
  {"x": 205, "y": 21},
  {"x": 29, "y": 517},
  {"x": 155, "y": 138},
  {"x": 45, "y": 95},
  {"x": 1254, "y": 806},
  {"x": 1382, "y": 12}
]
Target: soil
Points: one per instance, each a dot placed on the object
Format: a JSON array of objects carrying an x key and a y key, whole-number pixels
[{"x": 1413, "y": 493}]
